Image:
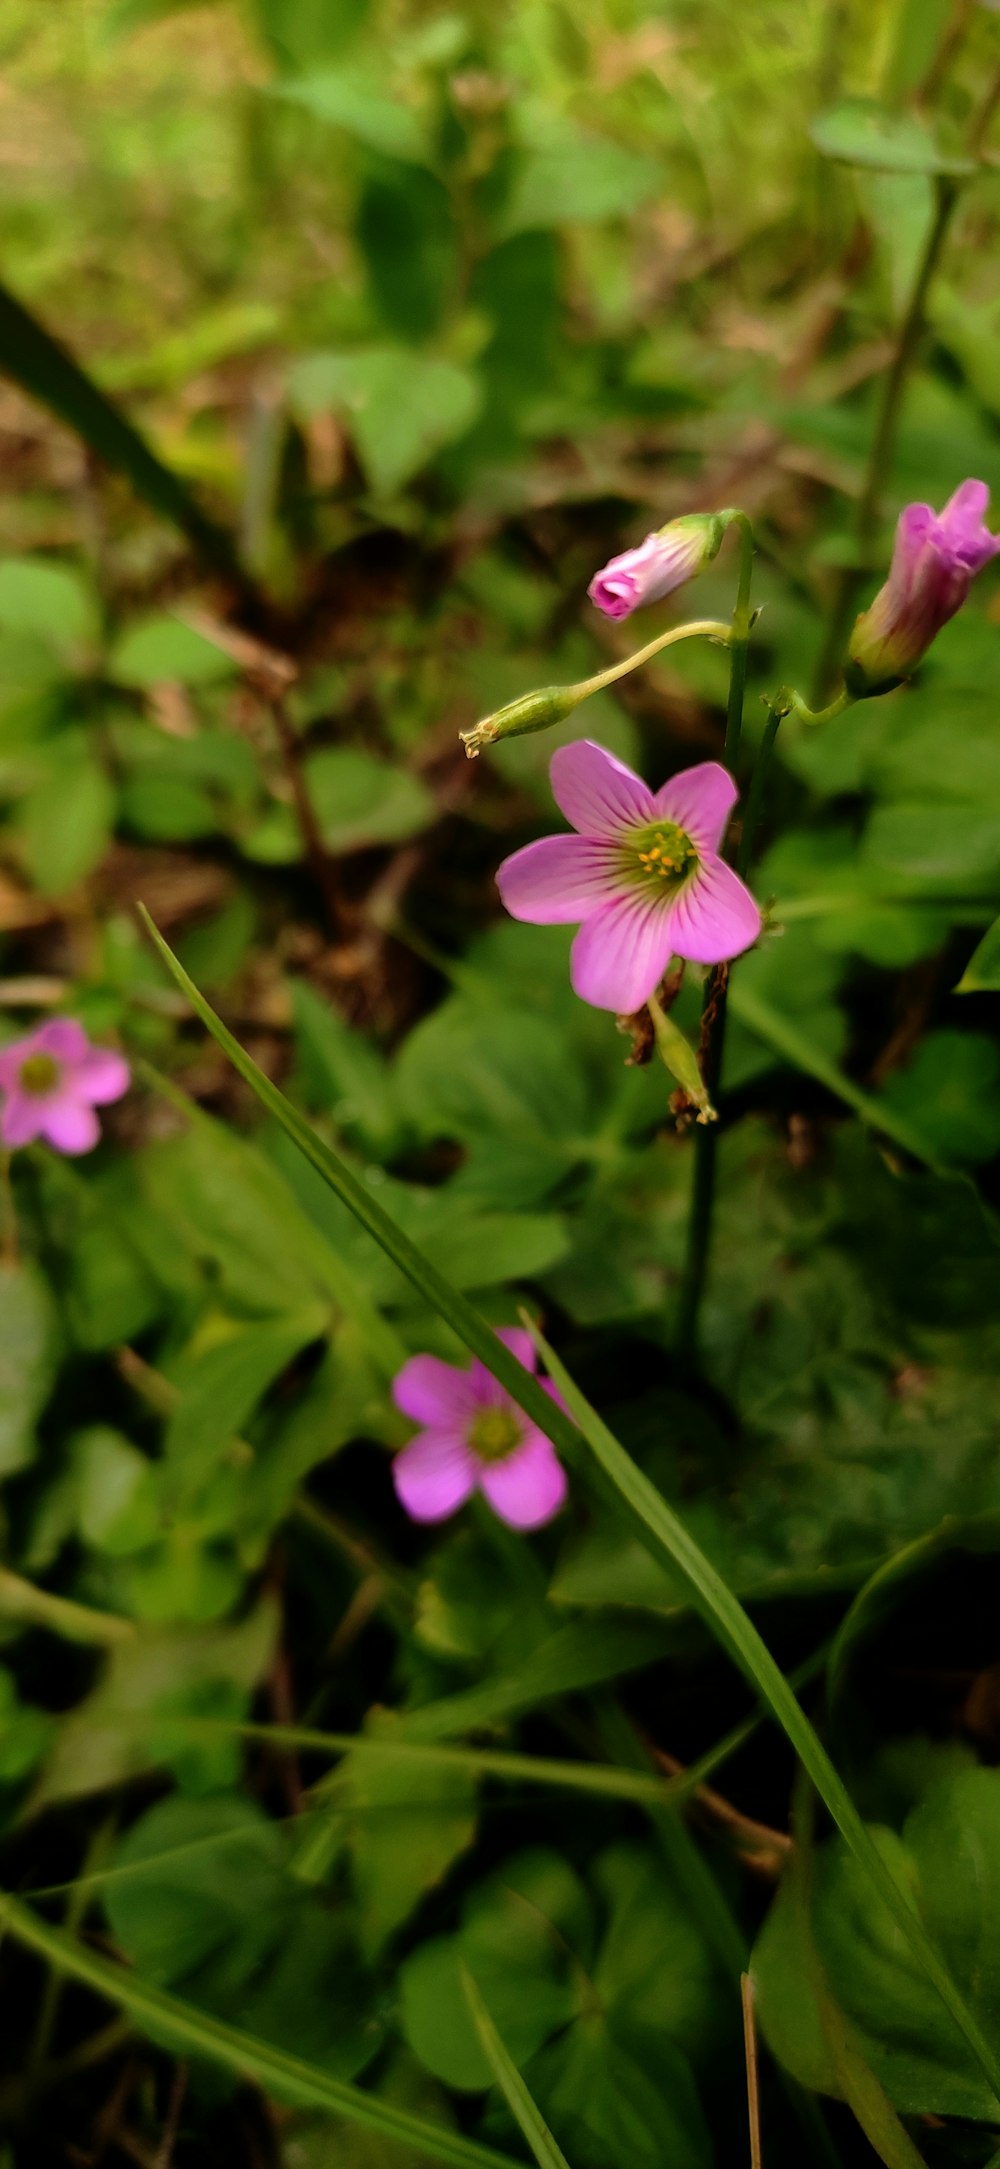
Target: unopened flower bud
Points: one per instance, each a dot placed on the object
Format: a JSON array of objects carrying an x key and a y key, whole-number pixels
[
  {"x": 665, "y": 560},
  {"x": 935, "y": 559},
  {"x": 532, "y": 712}
]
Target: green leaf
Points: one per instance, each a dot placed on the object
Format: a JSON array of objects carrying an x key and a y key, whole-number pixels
[
  {"x": 28, "y": 1352},
  {"x": 950, "y": 1092},
  {"x": 582, "y": 177},
  {"x": 162, "y": 648},
  {"x": 529, "y": 2119},
  {"x": 402, "y": 1837},
  {"x": 64, "y": 825},
  {"x": 354, "y": 99},
  {"x": 513, "y": 1939},
  {"x": 982, "y": 972},
  {"x": 47, "y": 372},
  {"x": 50, "y": 600},
  {"x": 360, "y": 800},
  {"x": 401, "y": 407},
  {"x": 859, "y": 132},
  {"x": 305, "y": 33},
  {"x": 277, "y": 2071},
  {"x": 120, "y": 1729},
  {"x": 949, "y": 1859},
  {"x": 220, "y": 1384},
  {"x": 661, "y": 1528},
  {"x": 113, "y": 1489},
  {"x": 344, "y": 1074}
]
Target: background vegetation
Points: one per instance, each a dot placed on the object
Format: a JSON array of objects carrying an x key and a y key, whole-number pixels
[{"x": 390, "y": 324}]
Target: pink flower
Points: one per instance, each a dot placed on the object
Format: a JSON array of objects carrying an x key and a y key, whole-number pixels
[
  {"x": 666, "y": 559},
  {"x": 643, "y": 873},
  {"x": 51, "y": 1083},
  {"x": 473, "y": 1437},
  {"x": 934, "y": 562}
]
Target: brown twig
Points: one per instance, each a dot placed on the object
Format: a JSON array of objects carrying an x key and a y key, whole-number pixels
[
  {"x": 164, "y": 2152},
  {"x": 750, "y": 2052},
  {"x": 761, "y": 1848}
]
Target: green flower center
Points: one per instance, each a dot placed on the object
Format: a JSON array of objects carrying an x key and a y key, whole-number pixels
[
  {"x": 494, "y": 1434},
  {"x": 38, "y": 1074},
  {"x": 658, "y": 857}
]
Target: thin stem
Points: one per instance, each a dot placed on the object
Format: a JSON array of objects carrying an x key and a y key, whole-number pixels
[
  {"x": 21, "y": 1600},
  {"x": 750, "y": 2051},
  {"x": 698, "y": 629},
  {"x": 758, "y": 785},
  {"x": 869, "y": 503},
  {"x": 320, "y": 863},
  {"x": 713, "y": 1021}
]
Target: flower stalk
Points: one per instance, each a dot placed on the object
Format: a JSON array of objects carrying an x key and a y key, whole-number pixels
[{"x": 550, "y": 704}]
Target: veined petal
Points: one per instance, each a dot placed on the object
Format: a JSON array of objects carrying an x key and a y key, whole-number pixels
[
  {"x": 557, "y": 881},
  {"x": 598, "y": 795},
  {"x": 489, "y": 1392},
  {"x": 70, "y": 1124},
  {"x": 714, "y": 917},
  {"x": 527, "y": 1488},
  {"x": 22, "y": 1119},
  {"x": 621, "y": 953},
  {"x": 700, "y": 800},
  {"x": 966, "y": 506},
  {"x": 433, "y": 1392},
  {"x": 434, "y": 1475},
  {"x": 64, "y": 1039},
  {"x": 103, "y": 1075}
]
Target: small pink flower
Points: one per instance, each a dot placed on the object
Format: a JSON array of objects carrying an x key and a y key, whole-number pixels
[
  {"x": 666, "y": 559},
  {"x": 474, "y": 1438},
  {"x": 643, "y": 873},
  {"x": 51, "y": 1083},
  {"x": 934, "y": 562}
]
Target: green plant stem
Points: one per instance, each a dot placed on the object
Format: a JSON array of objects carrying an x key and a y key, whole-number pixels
[
  {"x": 31, "y": 1607},
  {"x": 523, "y": 2108},
  {"x": 699, "y": 1229},
  {"x": 867, "y": 514},
  {"x": 758, "y": 787}
]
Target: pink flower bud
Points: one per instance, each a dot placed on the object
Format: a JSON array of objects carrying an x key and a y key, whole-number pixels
[
  {"x": 934, "y": 562},
  {"x": 675, "y": 553}
]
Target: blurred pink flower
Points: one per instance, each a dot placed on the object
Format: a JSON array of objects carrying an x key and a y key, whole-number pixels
[
  {"x": 473, "y": 1437},
  {"x": 51, "y": 1083},
  {"x": 666, "y": 559},
  {"x": 934, "y": 562},
  {"x": 643, "y": 873}
]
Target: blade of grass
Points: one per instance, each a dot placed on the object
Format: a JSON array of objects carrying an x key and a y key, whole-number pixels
[
  {"x": 195, "y": 2032},
  {"x": 446, "y": 1300},
  {"x": 47, "y": 372},
  {"x": 523, "y": 2109},
  {"x": 666, "y": 1536},
  {"x": 660, "y": 1528}
]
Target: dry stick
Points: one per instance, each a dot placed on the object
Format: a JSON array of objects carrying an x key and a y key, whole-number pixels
[
  {"x": 750, "y": 2051},
  {"x": 320, "y": 863},
  {"x": 165, "y": 2151}
]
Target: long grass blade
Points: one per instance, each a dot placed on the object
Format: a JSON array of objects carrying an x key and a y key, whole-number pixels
[
  {"x": 659, "y": 1527},
  {"x": 47, "y": 372},
  {"x": 667, "y": 1537},
  {"x": 195, "y": 2033},
  {"x": 523, "y": 2109}
]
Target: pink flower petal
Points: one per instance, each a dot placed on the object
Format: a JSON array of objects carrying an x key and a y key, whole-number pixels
[
  {"x": 557, "y": 881},
  {"x": 700, "y": 800},
  {"x": 489, "y": 1392},
  {"x": 69, "y": 1123},
  {"x": 966, "y": 506},
  {"x": 64, "y": 1039},
  {"x": 433, "y": 1392},
  {"x": 434, "y": 1475},
  {"x": 11, "y": 1058},
  {"x": 103, "y": 1075},
  {"x": 529, "y": 1487},
  {"x": 598, "y": 795},
  {"x": 22, "y": 1119},
  {"x": 620, "y": 955},
  {"x": 714, "y": 917}
]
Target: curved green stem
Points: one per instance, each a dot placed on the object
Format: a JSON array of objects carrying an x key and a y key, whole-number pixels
[{"x": 713, "y": 1025}]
